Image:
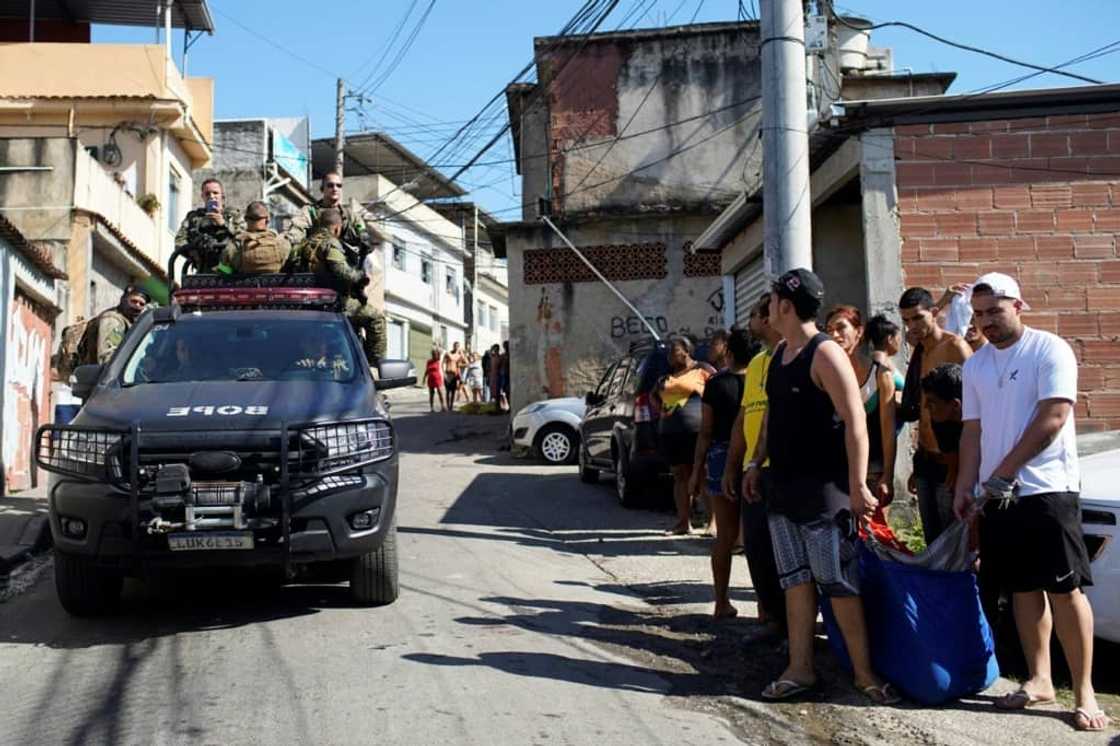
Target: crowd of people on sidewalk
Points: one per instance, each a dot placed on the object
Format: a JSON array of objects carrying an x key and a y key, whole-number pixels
[
  {"x": 459, "y": 373},
  {"x": 790, "y": 433}
]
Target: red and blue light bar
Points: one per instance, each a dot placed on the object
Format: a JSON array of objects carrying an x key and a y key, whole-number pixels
[{"x": 255, "y": 297}]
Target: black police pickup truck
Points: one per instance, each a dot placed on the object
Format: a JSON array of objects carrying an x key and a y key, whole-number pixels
[{"x": 238, "y": 426}]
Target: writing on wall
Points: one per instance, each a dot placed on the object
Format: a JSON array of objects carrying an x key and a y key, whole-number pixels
[
  {"x": 633, "y": 326},
  {"x": 27, "y": 400}
]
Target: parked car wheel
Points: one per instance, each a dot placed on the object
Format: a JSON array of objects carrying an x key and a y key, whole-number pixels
[
  {"x": 587, "y": 474},
  {"x": 558, "y": 444},
  {"x": 626, "y": 483},
  {"x": 83, "y": 588}
]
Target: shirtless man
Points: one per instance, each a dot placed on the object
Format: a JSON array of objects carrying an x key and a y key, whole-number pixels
[
  {"x": 933, "y": 346},
  {"x": 453, "y": 363}
]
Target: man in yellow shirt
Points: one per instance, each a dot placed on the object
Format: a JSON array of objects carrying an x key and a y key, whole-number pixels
[{"x": 744, "y": 436}]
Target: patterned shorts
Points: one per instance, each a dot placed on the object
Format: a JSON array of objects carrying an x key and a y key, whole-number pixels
[{"x": 820, "y": 551}]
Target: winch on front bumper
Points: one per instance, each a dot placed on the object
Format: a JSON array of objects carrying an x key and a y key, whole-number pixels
[{"x": 300, "y": 494}]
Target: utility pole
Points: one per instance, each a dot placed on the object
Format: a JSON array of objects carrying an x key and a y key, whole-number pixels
[
  {"x": 786, "y": 198},
  {"x": 339, "y": 126}
]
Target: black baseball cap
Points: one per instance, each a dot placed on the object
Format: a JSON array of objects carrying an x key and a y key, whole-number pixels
[
  {"x": 137, "y": 290},
  {"x": 801, "y": 286}
]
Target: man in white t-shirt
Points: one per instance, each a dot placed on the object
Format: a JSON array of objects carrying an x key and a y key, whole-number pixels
[{"x": 1018, "y": 444}]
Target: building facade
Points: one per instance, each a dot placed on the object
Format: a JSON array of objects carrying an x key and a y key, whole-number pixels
[
  {"x": 486, "y": 277},
  {"x": 100, "y": 142},
  {"x": 262, "y": 159},
  {"x": 29, "y": 296},
  {"x": 633, "y": 142},
  {"x": 936, "y": 190}
]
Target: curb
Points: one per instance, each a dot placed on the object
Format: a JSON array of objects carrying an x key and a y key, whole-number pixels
[{"x": 35, "y": 539}]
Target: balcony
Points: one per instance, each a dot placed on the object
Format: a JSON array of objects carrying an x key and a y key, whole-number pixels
[{"x": 95, "y": 191}]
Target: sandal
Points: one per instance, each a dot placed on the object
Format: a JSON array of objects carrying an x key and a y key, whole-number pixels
[
  {"x": 785, "y": 689},
  {"x": 1084, "y": 720},
  {"x": 1021, "y": 699},
  {"x": 884, "y": 694}
]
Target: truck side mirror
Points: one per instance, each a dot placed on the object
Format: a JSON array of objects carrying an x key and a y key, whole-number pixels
[{"x": 85, "y": 378}]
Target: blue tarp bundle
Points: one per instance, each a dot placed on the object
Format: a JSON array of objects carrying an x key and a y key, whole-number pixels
[{"x": 928, "y": 634}]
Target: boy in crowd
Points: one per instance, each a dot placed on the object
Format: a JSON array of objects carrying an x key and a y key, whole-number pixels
[{"x": 933, "y": 346}]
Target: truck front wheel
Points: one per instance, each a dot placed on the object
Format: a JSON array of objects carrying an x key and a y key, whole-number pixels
[
  {"x": 83, "y": 588},
  {"x": 374, "y": 576}
]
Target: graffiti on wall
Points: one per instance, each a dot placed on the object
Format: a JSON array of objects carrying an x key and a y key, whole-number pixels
[
  {"x": 27, "y": 399},
  {"x": 633, "y": 326},
  {"x": 550, "y": 345}
]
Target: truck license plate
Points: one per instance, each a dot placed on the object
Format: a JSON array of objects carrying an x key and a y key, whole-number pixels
[{"x": 210, "y": 540}]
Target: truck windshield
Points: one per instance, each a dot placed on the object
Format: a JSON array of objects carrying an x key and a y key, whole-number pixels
[{"x": 210, "y": 349}]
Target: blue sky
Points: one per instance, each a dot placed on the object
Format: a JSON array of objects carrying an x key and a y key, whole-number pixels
[{"x": 466, "y": 52}]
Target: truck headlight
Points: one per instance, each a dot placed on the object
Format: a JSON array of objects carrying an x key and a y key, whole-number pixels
[
  {"x": 351, "y": 444},
  {"x": 85, "y": 453}
]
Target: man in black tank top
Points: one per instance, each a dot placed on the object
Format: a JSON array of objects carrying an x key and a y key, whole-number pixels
[{"x": 815, "y": 435}]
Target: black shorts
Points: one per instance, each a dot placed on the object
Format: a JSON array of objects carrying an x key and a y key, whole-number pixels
[
  {"x": 1035, "y": 544},
  {"x": 677, "y": 448},
  {"x": 450, "y": 382}
]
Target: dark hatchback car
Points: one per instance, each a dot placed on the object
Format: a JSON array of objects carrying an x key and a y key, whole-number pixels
[
  {"x": 237, "y": 427},
  {"x": 619, "y": 429}
]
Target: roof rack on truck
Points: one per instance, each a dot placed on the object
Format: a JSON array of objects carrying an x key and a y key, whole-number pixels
[{"x": 223, "y": 293}]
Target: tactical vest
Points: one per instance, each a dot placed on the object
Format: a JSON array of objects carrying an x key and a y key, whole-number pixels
[
  {"x": 91, "y": 336},
  {"x": 315, "y": 253},
  {"x": 261, "y": 252}
]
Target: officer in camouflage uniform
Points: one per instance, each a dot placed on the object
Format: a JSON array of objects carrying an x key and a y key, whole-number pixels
[
  {"x": 355, "y": 236},
  {"x": 206, "y": 231},
  {"x": 322, "y": 253},
  {"x": 105, "y": 334},
  {"x": 258, "y": 249}
]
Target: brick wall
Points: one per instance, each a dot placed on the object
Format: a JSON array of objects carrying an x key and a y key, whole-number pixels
[{"x": 1038, "y": 199}]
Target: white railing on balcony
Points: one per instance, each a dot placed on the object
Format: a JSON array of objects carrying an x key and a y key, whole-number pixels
[{"x": 95, "y": 191}]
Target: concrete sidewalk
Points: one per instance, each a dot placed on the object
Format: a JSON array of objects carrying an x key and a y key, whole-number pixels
[{"x": 23, "y": 528}]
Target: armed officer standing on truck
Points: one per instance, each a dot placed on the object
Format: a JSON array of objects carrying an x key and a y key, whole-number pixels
[
  {"x": 206, "y": 231},
  {"x": 258, "y": 249},
  {"x": 323, "y": 254},
  {"x": 355, "y": 235}
]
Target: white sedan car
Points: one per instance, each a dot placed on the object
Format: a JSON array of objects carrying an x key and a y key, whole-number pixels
[
  {"x": 1100, "y": 521},
  {"x": 549, "y": 429}
]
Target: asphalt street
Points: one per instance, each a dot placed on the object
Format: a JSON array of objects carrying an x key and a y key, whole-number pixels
[{"x": 533, "y": 610}]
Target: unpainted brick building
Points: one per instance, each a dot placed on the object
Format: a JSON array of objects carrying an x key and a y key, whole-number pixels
[
  {"x": 1038, "y": 198},
  {"x": 946, "y": 188}
]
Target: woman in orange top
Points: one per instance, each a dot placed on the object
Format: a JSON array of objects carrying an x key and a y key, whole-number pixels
[{"x": 680, "y": 393}]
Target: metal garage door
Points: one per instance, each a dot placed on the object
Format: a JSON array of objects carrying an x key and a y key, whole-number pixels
[
  {"x": 750, "y": 283},
  {"x": 419, "y": 347},
  {"x": 397, "y": 343}
]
